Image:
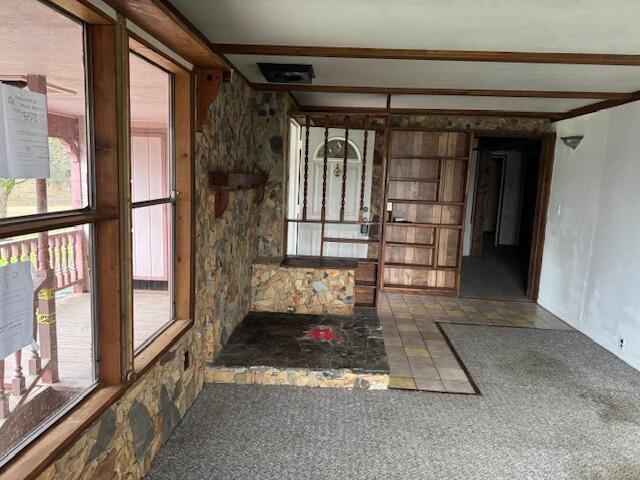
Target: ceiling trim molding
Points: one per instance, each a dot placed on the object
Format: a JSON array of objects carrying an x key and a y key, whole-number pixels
[
  {"x": 282, "y": 87},
  {"x": 415, "y": 54},
  {"x": 424, "y": 111},
  {"x": 594, "y": 107}
]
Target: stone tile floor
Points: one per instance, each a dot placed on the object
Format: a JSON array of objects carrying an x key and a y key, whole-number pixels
[{"x": 420, "y": 356}]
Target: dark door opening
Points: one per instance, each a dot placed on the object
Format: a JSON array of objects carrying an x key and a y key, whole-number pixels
[{"x": 502, "y": 207}]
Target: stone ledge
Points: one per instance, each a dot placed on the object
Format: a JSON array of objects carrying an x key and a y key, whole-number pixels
[{"x": 300, "y": 377}]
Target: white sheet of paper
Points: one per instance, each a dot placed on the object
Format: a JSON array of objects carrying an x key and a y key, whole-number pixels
[
  {"x": 24, "y": 135},
  {"x": 16, "y": 307}
]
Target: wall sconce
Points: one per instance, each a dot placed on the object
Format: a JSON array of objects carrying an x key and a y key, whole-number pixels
[{"x": 572, "y": 141}]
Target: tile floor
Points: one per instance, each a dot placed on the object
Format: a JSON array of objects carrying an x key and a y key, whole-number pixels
[{"x": 421, "y": 358}]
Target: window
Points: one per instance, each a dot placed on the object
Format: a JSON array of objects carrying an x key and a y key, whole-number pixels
[
  {"x": 78, "y": 319},
  {"x": 48, "y": 354},
  {"x": 332, "y": 212},
  {"x": 152, "y": 180}
]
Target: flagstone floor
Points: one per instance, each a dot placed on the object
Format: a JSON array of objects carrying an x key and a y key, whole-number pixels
[{"x": 420, "y": 356}]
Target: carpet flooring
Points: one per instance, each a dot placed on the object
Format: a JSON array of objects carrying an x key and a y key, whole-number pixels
[{"x": 554, "y": 405}]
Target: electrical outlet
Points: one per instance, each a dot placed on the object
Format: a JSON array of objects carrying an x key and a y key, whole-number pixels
[{"x": 621, "y": 344}]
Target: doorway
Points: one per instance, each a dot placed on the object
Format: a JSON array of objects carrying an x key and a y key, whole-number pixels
[{"x": 501, "y": 213}]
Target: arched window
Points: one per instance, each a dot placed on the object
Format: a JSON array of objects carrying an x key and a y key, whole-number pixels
[{"x": 336, "y": 150}]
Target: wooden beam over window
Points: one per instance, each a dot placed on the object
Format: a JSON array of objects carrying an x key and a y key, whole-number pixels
[
  {"x": 416, "y": 54},
  {"x": 165, "y": 23}
]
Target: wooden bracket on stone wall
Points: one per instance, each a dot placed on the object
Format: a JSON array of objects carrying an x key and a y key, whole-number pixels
[
  {"x": 208, "y": 85},
  {"x": 223, "y": 183}
]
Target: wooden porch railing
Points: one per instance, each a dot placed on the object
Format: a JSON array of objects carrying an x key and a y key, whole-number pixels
[{"x": 61, "y": 265}]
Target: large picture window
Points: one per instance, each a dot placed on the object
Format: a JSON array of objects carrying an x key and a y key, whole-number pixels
[
  {"x": 48, "y": 354},
  {"x": 152, "y": 180}
]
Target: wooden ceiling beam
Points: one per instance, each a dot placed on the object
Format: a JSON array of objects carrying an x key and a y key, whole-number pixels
[
  {"x": 594, "y": 107},
  {"x": 164, "y": 22},
  {"x": 424, "y": 111},
  {"x": 282, "y": 87},
  {"x": 415, "y": 54}
]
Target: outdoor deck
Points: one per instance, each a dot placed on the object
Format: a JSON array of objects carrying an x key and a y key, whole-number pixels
[{"x": 74, "y": 332}]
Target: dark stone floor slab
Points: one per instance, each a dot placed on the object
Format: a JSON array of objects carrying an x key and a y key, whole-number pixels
[{"x": 326, "y": 342}]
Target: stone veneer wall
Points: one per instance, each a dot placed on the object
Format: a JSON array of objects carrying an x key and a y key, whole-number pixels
[
  {"x": 316, "y": 291},
  {"x": 124, "y": 440},
  {"x": 247, "y": 133},
  {"x": 453, "y": 122}
]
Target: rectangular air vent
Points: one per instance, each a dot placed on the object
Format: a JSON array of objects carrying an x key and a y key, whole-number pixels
[{"x": 287, "y": 73}]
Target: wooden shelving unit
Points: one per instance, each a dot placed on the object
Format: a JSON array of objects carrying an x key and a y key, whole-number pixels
[{"x": 426, "y": 186}]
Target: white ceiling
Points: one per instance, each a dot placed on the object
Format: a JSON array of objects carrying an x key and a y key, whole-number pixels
[
  {"x": 587, "y": 26},
  {"x": 448, "y": 74},
  {"x": 579, "y": 26}
]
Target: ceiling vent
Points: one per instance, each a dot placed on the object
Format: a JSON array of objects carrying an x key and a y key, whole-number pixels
[{"x": 287, "y": 73}]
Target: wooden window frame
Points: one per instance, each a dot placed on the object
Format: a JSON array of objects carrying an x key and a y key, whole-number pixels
[{"x": 109, "y": 43}]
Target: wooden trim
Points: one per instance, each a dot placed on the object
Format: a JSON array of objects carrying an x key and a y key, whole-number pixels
[
  {"x": 83, "y": 10},
  {"x": 123, "y": 108},
  {"x": 594, "y": 107},
  {"x": 465, "y": 197},
  {"x": 282, "y": 87},
  {"x": 208, "y": 82},
  {"x": 311, "y": 109},
  {"x": 108, "y": 261},
  {"x": 161, "y": 20},
  {"x": 143, "y": 48},
  {"x": 35, "y": 458},
  {"x": 50, "y": 221},
  {"x": 183, "y": 124},
  {"x": 540, "y": 216},
  {"x": 148, "y": 357},
  {"x": 419, "y": 54}
]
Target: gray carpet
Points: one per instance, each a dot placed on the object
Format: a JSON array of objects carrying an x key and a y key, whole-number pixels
[{"x": 554, "y": 406}]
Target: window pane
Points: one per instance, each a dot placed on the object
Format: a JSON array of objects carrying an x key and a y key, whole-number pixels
[
  {"x": 150, "y": 120},
  {"x": 47, "y": 354},
  {"x": 152, "y": 271},
  {"x": 43, "y": 52}
]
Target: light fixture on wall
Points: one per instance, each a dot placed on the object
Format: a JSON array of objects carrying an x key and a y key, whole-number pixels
[{"x": 572, "y": 141}]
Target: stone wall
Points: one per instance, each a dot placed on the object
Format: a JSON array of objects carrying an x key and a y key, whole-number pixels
[
  {"x": 453, "y": 122},
  {"x": 124, "y": 440},
  {"x": 246, "y": 133},
  {"x": 305, "y": 290}
]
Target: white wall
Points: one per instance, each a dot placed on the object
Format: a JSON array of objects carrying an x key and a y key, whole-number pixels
[{"x": 591, "y": 261}]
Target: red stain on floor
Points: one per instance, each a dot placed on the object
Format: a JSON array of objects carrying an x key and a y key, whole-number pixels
[{"x": 322, "y": 333}]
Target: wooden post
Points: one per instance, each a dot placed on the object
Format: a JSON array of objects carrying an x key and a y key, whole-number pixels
[
  {"x": 344, "y": 168},
  {"x": 46, "y": 315},
  {"x": 306, "y": 169},
  {"x": 4, "y": 398}
]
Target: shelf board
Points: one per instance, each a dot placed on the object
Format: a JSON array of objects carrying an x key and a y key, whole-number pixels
[
  {"x": 423, "y": 225},
  {"x": 365, "y": 284},
  {"x": 423, "y": 202},
  {"x": 399, "y": 288},
  {"x": 408, "y": 244},
  {"x": 417, "y": 266},
  {"x": 348, "y": 240},
  {"x": 412, "y": 179}
]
